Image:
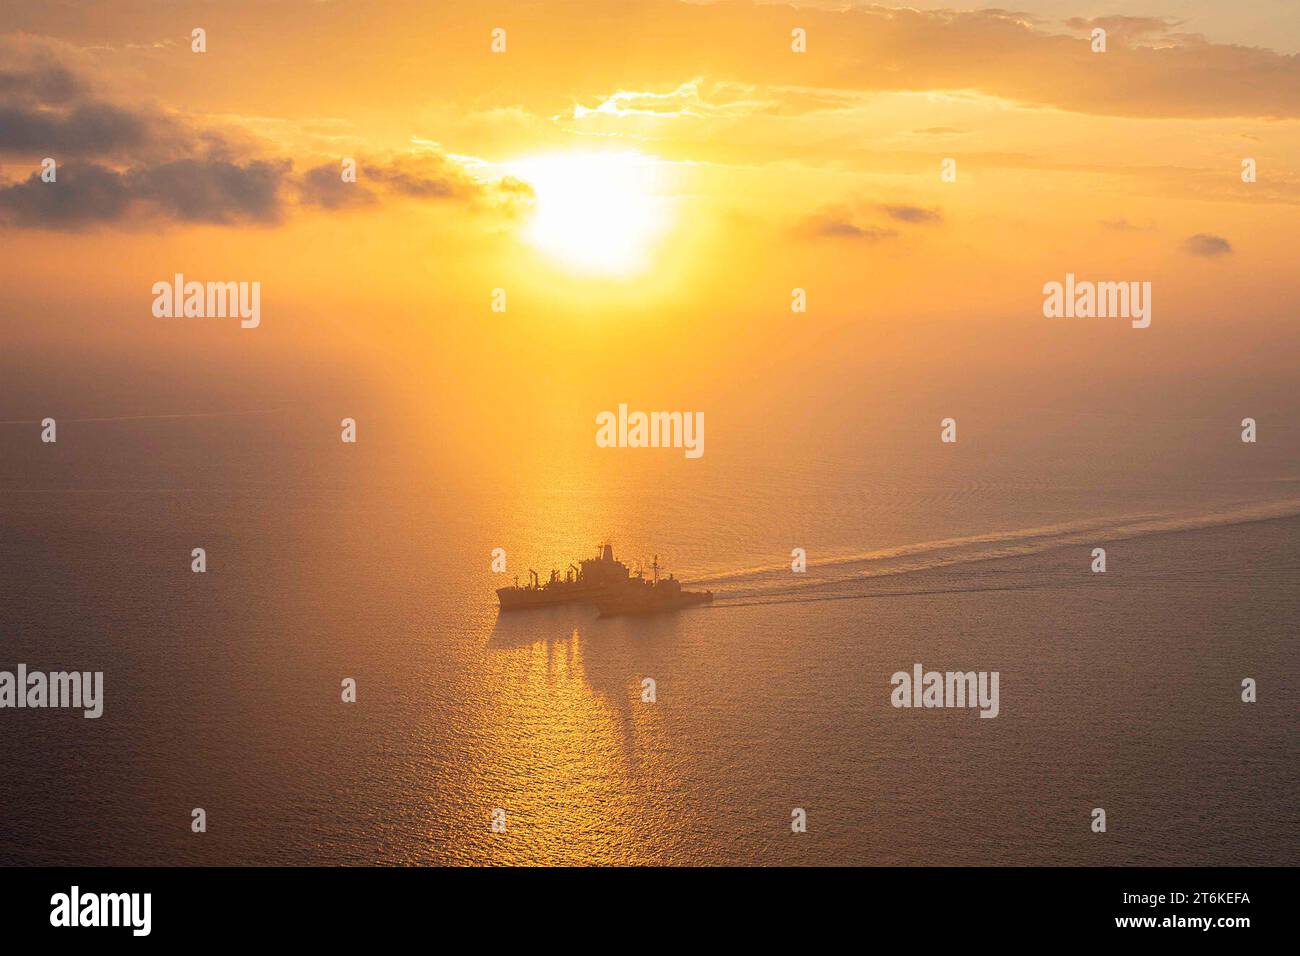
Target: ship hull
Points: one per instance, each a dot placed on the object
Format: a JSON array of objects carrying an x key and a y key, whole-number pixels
[
  {"x": 522, "y": 599},
  {"x": 638, "y": 606}
]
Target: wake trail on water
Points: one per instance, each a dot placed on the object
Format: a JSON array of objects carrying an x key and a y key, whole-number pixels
[{"x": 875, "y": 569}]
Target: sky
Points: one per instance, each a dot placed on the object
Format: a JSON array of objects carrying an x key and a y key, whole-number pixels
[{"x": 646, "y": 181}]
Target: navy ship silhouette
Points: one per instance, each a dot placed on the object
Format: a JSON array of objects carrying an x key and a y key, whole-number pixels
[{"x": 605, "y": 582}]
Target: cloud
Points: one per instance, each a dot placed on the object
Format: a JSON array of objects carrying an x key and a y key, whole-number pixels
[
  {"x": 82, "y": 195},
  {"x": 832, "y": 225},
  {"x": 1207, "y": 244},
  {"x": 702, "y": 98},
  {"x": 736, "y": 53},
  {"x": 323, "y": 186},
  {"x": 84, "y": 130},
  {"x": 1128, "y": 28},
  {"x": 191, "y": 190},
  {"x": 423, "y": 175},
  {"x": 215, "y": 191},
  {"x": 45, "y": 80},
  {"x": 50, "y": 108},
  {"x": 848, "y": 220},
  {"x": 1123, "y": 225},
  {"x": 118, "y": 163},
  {"x": 223, "y": 192},
  {"x": 911, "y": 214},
  {"x": 1150, "y": 68}
]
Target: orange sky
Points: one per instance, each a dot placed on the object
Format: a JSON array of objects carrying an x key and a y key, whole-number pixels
[{"x": 762, "y": 169}]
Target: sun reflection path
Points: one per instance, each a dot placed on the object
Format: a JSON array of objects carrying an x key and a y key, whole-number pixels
[{"x": 569, "y": 749}]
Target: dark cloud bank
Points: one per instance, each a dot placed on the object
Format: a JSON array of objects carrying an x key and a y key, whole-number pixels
[{"x": 116, "y": 163}]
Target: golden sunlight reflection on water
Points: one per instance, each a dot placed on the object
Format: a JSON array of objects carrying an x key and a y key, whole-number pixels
[{"x": 563, "y": 744}]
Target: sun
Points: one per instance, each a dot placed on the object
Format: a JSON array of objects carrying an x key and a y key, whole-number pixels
[{"x": 596, "y": 212}]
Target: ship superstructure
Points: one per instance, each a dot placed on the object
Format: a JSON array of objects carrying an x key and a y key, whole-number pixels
[
  {"x": 605, "y": 582},
  {"x": 639, "y": 596}
]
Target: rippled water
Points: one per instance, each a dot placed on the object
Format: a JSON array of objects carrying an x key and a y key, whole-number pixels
[{"x": 1118, "y": 691}]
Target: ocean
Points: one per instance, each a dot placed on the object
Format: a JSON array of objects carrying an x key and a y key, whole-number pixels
[{"x": 1119, "y": 690}]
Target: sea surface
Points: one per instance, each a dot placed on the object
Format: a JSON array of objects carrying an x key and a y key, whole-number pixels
[{"x": 326, "y": 561}]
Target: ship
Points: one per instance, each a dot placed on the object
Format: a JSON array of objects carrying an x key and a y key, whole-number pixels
[
  {"x": 639, "y": 596},
  {"x": 606, "y": 583}
]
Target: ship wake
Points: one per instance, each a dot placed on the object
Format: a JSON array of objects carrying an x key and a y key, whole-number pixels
[{"x": 962, "y": 565}]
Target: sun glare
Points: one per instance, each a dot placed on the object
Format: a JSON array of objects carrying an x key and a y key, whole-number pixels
[{"x": 596, "y": 211}]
